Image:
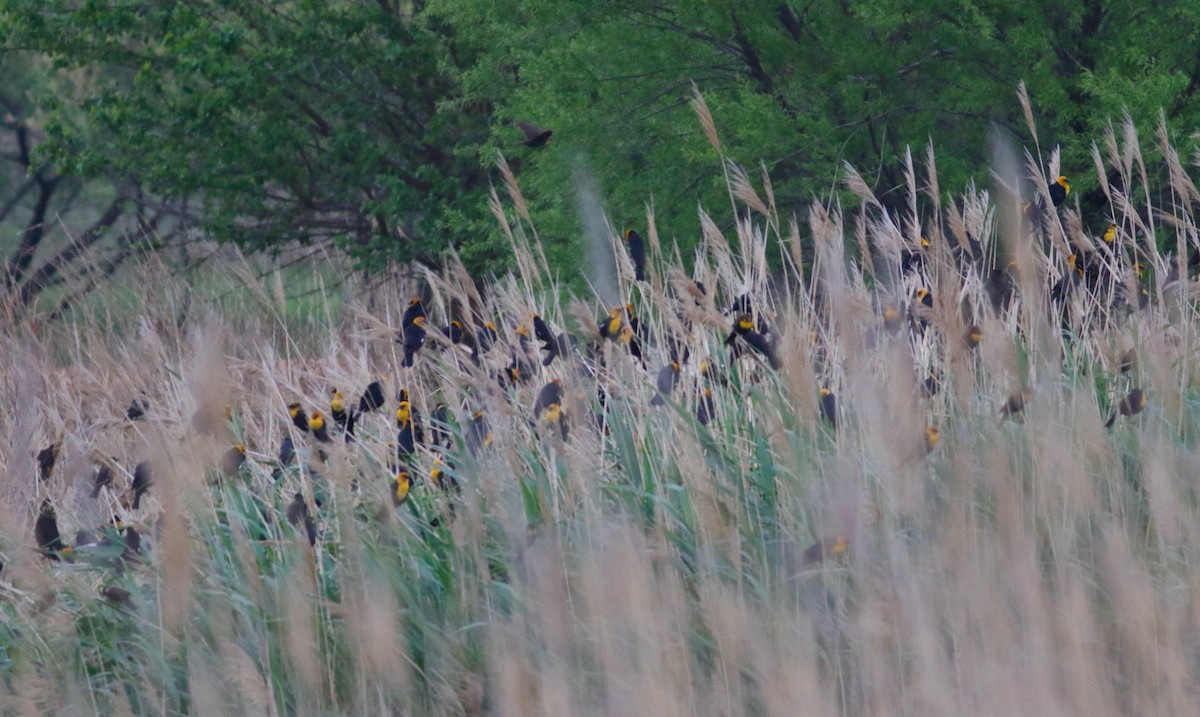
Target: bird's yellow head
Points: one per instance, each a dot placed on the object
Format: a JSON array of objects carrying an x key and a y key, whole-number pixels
[
  {"x": 414, "y": 301},
  {"x": 628, "y": 233},
  {"x": 337, "y": 401},
  {"x": 890, "y": 313},
  {"x": 932, "y": 436},
  {"x": 825, "y": 392},
  {"x": 403, "y": 485},
  {"x": 1110, "y": 234},
  {"x": 675, "y": 366},
  {"x": 456, "y": 324},
  {"x": 403, "y": 414},
  {"x": 745, "y": 323},
  {"x": 490, "y": 325},
  {"x": 921, "y": 294},
  {"x": 626, "y": 335},
  {"x": 1062, "y": 182},
  {"x": 839, "y": 546},
  {"x": 924, "y": 243},
  {"x": 522, "y": 331},
  {"x": 294, "y": 409},
  {"x": 316, "y": 421},
  {"x": 975, "y": 334}
]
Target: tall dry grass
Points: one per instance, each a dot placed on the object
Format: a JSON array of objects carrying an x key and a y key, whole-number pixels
[{"x": 1035, "y": 566}]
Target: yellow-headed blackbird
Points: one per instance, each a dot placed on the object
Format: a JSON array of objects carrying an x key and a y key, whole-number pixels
[
  {"x": 46, "y": 458},
  {"x": 668, "y": 376},
  {"x": 1000, "y": 286},
  {"x": 913, "y": 259},
  {"x": 439, "y": 425},
  {"x": 297, "y": 513},
  {"x": 45, "y": 532},
  {"x": 829, "y": 406},
  {"x": 556, "y": 417},
  {"x": 409, "y": 432},
  {"x": 551, "y": 393},
  {"x": 337, "y": 407},
  {"x": 414, "y": 338},
  {"x": 479, "y": 435},
  {"x": 517, "y": 371},
  {"x": 610, "y": 327},
  {"x": 401, "y": 485},
  {"x": 629, "y": 340},
  {"x": 299, "y": 420},
  {"x": 892, "y": 319},
  {"x": 142, "y": 480},
  {"x": 924, "y": 297},
  {"x": 535, "y": 137},
  {"x": 103, "y": 477},
  {"x": 372, "y": 397},
  {"x": 137, "y": 409},
  {"x": 1015, "y": 405},
  {"x": 932, "y": 436},
  {"x": 1110, "y": 234},
  {"x": 117, "y": 597},
  {"x": 455, "y": 332},
  {"x": 637, "y": 252},
  {"x": 1059, "y": 189},
  {"x": 705, "y": 410},
  {"x": 232, "y": 460},
  {"x": 441, "y": 479},
  {"x": 415, "y": 309},
  {"x": 541, "y": 330},
  {"x": 744, "y": 328},
  {"x": 972, "y": 336},
  {"x": 823, "y": 550},
  {"x": 486, "y": 337},
  {"x": 1131, "y": 405},
  {"x": 316, "y": 424}
]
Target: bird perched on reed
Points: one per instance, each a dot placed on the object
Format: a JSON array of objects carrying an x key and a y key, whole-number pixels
[
  {"x": 232, "y": 460},
  {"x": 829, "y": 406},
  {"x": 414, "y": 338},
  {"x": 45, "y": 532},
  {"x": 744, "y": 329},
  {"x": 823, "y": 550},
  {"x": 137, "y": 409},
  {"x": 142, "y": 480},
  {"x": 414, "y": 309},
  {"x": 972, "y": 336},
  {"x": 535, "y": 137},
  {"x": 549, "y": 394},
  {"x": 1131, "y": 405},
  {"x": 1059, "y": 189},
  {"x": 372, "y": 397},
  {"x": 705, "y": 409},
  {"x": 479, "y": 434},
  {"x": 298, "y": 515},
  {"x": 103, "y": 477},
  {"x": 46, "y": 458},
  {"x": 637, "y": 253},
  {"x": 299, "y": 419},
  {"x": 408, "y": 433},
  {"x": 337, "y": 408},
  {"x": 665, "y": 382},
  {"x": 401, "y": 485},
  {"x": 316, "y": 424},
  {"x": 439, "y": 426}
]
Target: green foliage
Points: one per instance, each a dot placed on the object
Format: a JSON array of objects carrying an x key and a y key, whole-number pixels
[
  {"x": 801, "y": 87},
  {"x": 297, "y": 121}
]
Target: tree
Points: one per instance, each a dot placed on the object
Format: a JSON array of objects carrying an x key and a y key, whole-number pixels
[
  {"x": 803, "y": 86},
  {"x": 291, "y": 121}
]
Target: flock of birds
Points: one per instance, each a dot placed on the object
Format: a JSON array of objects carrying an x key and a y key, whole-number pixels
[{"x": 750, "y": 337}]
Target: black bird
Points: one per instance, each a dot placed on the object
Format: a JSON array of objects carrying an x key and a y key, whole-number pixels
[
  {"x": 555, "y": 416},
  {"x": 337, "y": 408},
  {"x": 541, "y": 330},
  {"x": 455, "y": 332},
  {"x": 1059, "y": 189},
  {"x": 297, "y": 513},
  {"x": 142, "y": 480},
  {"x": 1131, "y": 405},
  {"x": 550, "y": 394},
  {"x": 829, "y": 407},
  {"x": 486, "y": 337},
  {"x": 479, "y": 435},
  {"x": 744, "y": 328},
  {"x": 316, "y": 424},
  {"x": 415, "y": 309},
  {"x": 372, "y": 398},
  {"x": 414, "y": 338},
  {"x": 637, "y": 252},
  {"x": 137, "y": 409},
  {"x": 46, "y": 458},
  {"x": 409, "y": 432},
  {"x": 104, "y": 476},
  {"x": 705, "y": 410},
  {"x": 232, "y": 460},
  {"x": 299, "y": 420},
  {"x": 668, "y": 376},
  {"x": 535, "y": 137},
  {"x": 45, "y": 532}
]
